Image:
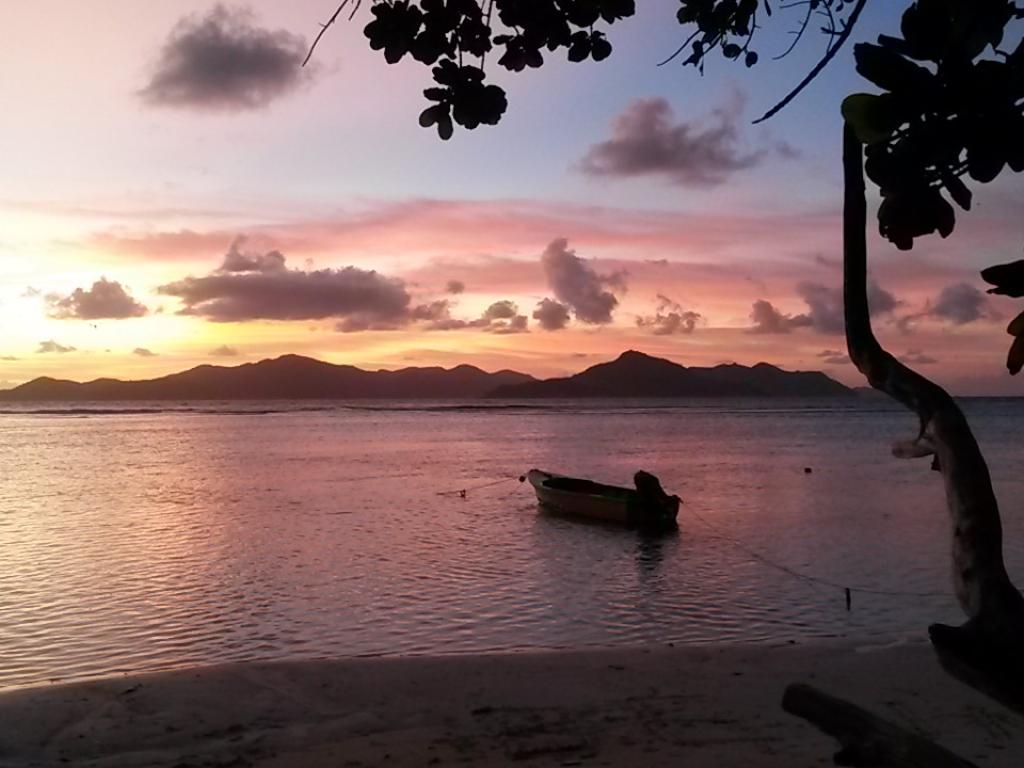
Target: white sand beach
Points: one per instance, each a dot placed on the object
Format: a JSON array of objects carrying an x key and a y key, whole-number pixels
[{"x": 692, "y": 706}]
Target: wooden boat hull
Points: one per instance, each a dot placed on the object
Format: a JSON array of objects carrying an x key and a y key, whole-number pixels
[{"x": 608, "y": 503}]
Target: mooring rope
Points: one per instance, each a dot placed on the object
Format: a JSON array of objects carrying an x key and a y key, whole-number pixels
[
  {"x": 461, "y": 492},
  {"x": 810, "y": 579},
  {"x": 847, "y": 590}
]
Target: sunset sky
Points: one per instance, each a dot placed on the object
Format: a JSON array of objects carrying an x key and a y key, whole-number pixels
[{"x": 154, "y": 216}]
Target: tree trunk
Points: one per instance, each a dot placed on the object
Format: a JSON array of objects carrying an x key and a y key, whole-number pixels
[{"x": 988, "y": 650}]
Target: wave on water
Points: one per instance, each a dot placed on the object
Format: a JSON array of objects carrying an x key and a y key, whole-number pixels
[
  {"x": 458, "y": 407},
  {"x": 261, "y": 411},
  {"x": 751, "y": 407},
  {"x": 100, "y": 411}
]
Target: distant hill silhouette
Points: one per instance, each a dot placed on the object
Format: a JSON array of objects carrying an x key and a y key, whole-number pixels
[
  {"x": 292, "y": 377},
  {"x": 634, "y": 374}
]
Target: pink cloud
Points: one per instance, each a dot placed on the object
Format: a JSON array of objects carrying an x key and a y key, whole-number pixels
[{"x": 433, "y": 228}]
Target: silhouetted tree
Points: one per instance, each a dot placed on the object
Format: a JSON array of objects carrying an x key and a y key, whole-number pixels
[
  {"x": 950, "y": 110},
  {"x": 950, "y": 104}
]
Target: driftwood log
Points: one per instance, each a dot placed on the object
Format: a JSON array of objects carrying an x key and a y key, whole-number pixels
[
  {"x": 987, "y": 651},
  {"x": 867, "y": 741}
]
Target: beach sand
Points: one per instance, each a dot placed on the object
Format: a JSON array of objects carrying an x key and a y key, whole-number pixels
[{"x": 686, "y": 706}]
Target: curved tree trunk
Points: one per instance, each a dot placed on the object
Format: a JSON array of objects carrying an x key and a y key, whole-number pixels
[{"x": 988, "y": 650}]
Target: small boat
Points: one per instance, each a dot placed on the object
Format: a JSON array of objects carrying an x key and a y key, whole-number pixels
[{"x": 646, "y": 506}]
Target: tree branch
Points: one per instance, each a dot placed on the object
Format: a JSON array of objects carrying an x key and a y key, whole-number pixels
[
  {"x": 323, "y": 27},
  {"x": 816, "y": 70}
]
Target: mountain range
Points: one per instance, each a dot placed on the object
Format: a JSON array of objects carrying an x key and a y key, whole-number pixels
[
  {"x": 634, "y": 374},
  {"x": 293, "y": 377}
]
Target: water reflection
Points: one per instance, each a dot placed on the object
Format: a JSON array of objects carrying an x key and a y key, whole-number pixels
[
  {"x": 139, "y": 541},
  {"x": 650, "y": 552}
]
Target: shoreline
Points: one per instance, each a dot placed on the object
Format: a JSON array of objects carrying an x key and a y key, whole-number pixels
[
  {"x": 706, "y": 705},
  {"x": 810, "y": 641}
]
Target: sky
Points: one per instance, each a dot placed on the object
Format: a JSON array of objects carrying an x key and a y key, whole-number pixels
[{"x": 178, "y": 191}]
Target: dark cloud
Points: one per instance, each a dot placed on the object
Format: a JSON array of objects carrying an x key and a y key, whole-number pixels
[
  {"x": 500, "y": 310},
  {"x": 224, "y": 351},
  {"x": 106, "y": 300},
  {"x": 825, "y": 304},
  {"x": 435, "y": 311},
  {"x": 824, "y": 309},
  {"x": 669, "y": 318},
  {"x": 646, "y": 140},
  {"x": 501, "y": 317},
  {"x": 52, "y": 346},
  {"x": 767, "y": 319},
  {"x": 960, "y": 303},
  {"x": 881, "y": 301},
  {"x": 829, "y": 262},
  {"x": 358, "y": 298},
  {"x": 515, "y": 324},
  {"x": 786, "y": 150},
  {"x": 454, "y": 286},
  {"x": 834, "y": 357},
  {"x": 578, "y": 286},
  {"x": 916, "y": 357},
  {"x": 552, "y": 315},
  {"x": 235, "y": 260},
  {"x": 223, "y": 61},
  {"x": 143, "y": 352}
]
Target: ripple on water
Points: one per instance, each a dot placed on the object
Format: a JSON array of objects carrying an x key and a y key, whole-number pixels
[{"x": 149, "y": 540}]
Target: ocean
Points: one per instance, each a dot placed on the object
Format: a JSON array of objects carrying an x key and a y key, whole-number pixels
[{"x": 147, "y": 536}]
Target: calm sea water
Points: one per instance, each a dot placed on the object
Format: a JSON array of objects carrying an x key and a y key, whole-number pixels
[{"x": 151, "y": 536}]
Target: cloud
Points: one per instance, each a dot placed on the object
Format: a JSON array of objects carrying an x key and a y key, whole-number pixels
[
  {"x": 458, "y": 235},
  {"x": 501, "y": 317},
  {"x": 224, "y": 351},
  {"x": 960, "y": 303},
  {"x": 269, "y": 290},
  {"x": 834, "y": 357},
  {"x": 916, "y": 357},
  {"x": 106, "y": 300},
  {"x": 46, "y": 347},
  {"x": 235, "y": 260},
  {"x": 552, "y": 315},
  {"x": 824, "y": 309},
  {"x": 515, "y": 324},
  {"x": 8, "y": 358},
  {"x": 454, "y": 287},
  {"x": 881, "y": 301},
  {"x": 647, "y": 141},
  {"x": 669, "y": 318},
  {"x": 143, "y": 352},
  {"x": 825, "y": 304},
  {"x": 767, "y": 319},
  {"x": 260, "y": 286},
  {"x": 223, "y": 61},
  {"x": 579, "y": 286}
]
